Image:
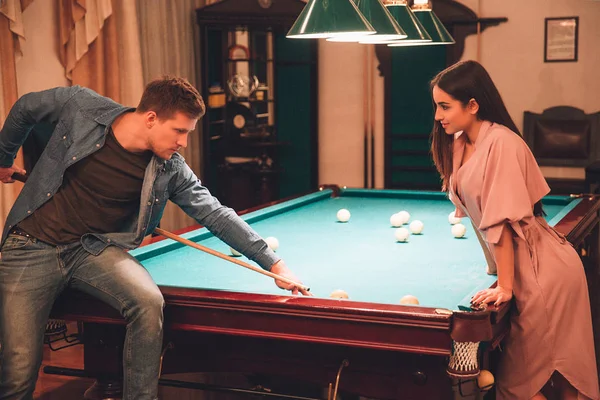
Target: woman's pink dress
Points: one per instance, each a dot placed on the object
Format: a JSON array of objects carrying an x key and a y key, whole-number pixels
[{"x": 552, "y": 327}]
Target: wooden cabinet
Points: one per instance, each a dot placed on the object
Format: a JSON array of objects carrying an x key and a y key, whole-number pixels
[{"x": 260, "y": 129}]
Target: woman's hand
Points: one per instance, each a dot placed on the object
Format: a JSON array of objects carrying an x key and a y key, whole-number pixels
[{"x": 497, "y": 295}]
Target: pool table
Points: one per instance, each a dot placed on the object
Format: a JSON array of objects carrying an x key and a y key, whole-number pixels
[{"x": 220, "y": 317}]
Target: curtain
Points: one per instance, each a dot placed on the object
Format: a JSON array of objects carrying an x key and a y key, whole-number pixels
[
  {"x": 167, "y": 33},
  {"x": 100, "y": 47},
  {"x": 11, "y": 37},
  {"x": 89, "y": 45}
]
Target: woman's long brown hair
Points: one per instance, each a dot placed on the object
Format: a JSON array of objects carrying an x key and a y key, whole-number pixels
[{"x": 464, "y": 81}]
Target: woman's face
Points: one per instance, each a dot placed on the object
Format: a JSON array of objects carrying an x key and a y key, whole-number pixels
[{"x": 451, "y": 113}]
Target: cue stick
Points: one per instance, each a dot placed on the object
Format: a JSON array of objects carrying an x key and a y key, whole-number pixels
[
  {"x": 372, "y": 113},
  {"x": 197, "y": 246},
  {"x": 366, "y": 120},
  {"x": 582, "y": 195},
  {"x": 23, "y": 178},
  {"x": 19, "y": 177},
  {"x": 372, "y": 158},
  {"x": 365, "y": 160}
]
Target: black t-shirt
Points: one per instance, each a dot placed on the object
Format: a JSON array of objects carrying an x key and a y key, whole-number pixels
[{"x": 98, "y": 195}]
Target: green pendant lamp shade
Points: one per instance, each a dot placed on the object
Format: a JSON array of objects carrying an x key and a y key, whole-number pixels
[
  {"x": 415, "y": 31},
  {"x": 436, "y": 29},
  {"x": 327, "y": 18},
  {"x": 382, "y": 21}
]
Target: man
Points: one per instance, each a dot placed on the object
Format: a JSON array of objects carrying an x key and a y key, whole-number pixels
[{"x": 98, "y": 188}]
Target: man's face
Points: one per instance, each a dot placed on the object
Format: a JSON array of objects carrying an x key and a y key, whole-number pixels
[{"x": 168, "y": 136}]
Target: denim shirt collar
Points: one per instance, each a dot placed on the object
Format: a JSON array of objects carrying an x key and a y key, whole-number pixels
[{"x": 109, "y": 117}]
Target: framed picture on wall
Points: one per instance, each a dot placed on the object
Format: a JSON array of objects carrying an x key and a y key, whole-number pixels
[{"x": 561, "y": 39}]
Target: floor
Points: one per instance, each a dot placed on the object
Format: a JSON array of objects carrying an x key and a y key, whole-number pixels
[{"x": 56, "y": 387}]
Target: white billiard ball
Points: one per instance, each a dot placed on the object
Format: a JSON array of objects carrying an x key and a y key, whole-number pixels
[
  {"x": 453, "y": 219},
  {"x": 272, "y": 242},
  {"x": 402, "y": 234},
  {"x": 416, "y": 227},
  {"x": 396, "y": 220},
  {"x": 404, "y": 215},
  {"x": 339, "y": 294},
  {"x": 485, "y": 380},
  {"x": 343, "y": 215},
  {"x": 459, "y": 230},
  {"x": 234, "y": 252},
  {"x": 409, "y": 299}
]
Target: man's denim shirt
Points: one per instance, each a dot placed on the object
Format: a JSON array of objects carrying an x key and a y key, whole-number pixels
[{"x": 80, "y": 118}]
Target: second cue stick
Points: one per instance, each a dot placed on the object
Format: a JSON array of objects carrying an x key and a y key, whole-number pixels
[{"x": 197, "y": 246}]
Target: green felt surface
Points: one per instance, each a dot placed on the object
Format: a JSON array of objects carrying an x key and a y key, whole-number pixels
[{"x": 361, "y": 257}]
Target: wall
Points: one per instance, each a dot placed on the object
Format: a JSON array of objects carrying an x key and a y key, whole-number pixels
[
  {"x": 513, "y": 54},
  {"x": 343, "y": 97},
  {"x": 525, "y": 81},
  {"x": 341, "y": 114}
]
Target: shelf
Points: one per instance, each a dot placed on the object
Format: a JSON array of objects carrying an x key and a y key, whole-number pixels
[
  {"x": 266, "y": 144},
  {"x": 230, "y": 60},
  {"x": 247, "y": 100}
]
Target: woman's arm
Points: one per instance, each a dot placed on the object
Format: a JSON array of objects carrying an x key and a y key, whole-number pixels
[
  {"x": 504, "y": 253},
  {"x": 505, "y": 259},
  {"x": 491, "y": 263}
]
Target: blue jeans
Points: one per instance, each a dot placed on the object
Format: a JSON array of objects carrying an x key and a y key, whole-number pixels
[{"x": 33, "y": 274}]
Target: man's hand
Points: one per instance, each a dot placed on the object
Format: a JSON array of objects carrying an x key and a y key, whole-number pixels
[
  {"x": 7, "y": 173},
  {"x": 281, "y": 269}
]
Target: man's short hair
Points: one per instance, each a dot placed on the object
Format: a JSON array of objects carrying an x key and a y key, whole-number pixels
[{"x": 168, "y": 95}]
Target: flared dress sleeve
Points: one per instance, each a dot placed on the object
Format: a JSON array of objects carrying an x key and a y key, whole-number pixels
[{"x": 512, "y": 184}]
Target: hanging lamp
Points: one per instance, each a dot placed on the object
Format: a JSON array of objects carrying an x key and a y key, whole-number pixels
[
  {"x": 415, "y": 31},
  {"x": 422, "y": 9},
  {"x": 330, "y": 18},
  {"x": 380, "y": 19}
]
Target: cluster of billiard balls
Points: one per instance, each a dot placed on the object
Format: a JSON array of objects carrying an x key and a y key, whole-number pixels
[
  {"x": 402, "y": 218},
  {"x": 415, "y": 227},
  {"x": 402, "y": 234}
]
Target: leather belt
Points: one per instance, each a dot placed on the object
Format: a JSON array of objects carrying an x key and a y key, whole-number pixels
[{"x": 17, "y": 231}]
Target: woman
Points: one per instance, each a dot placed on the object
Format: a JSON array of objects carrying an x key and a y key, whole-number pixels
[{"x": 492, "y": 178}]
